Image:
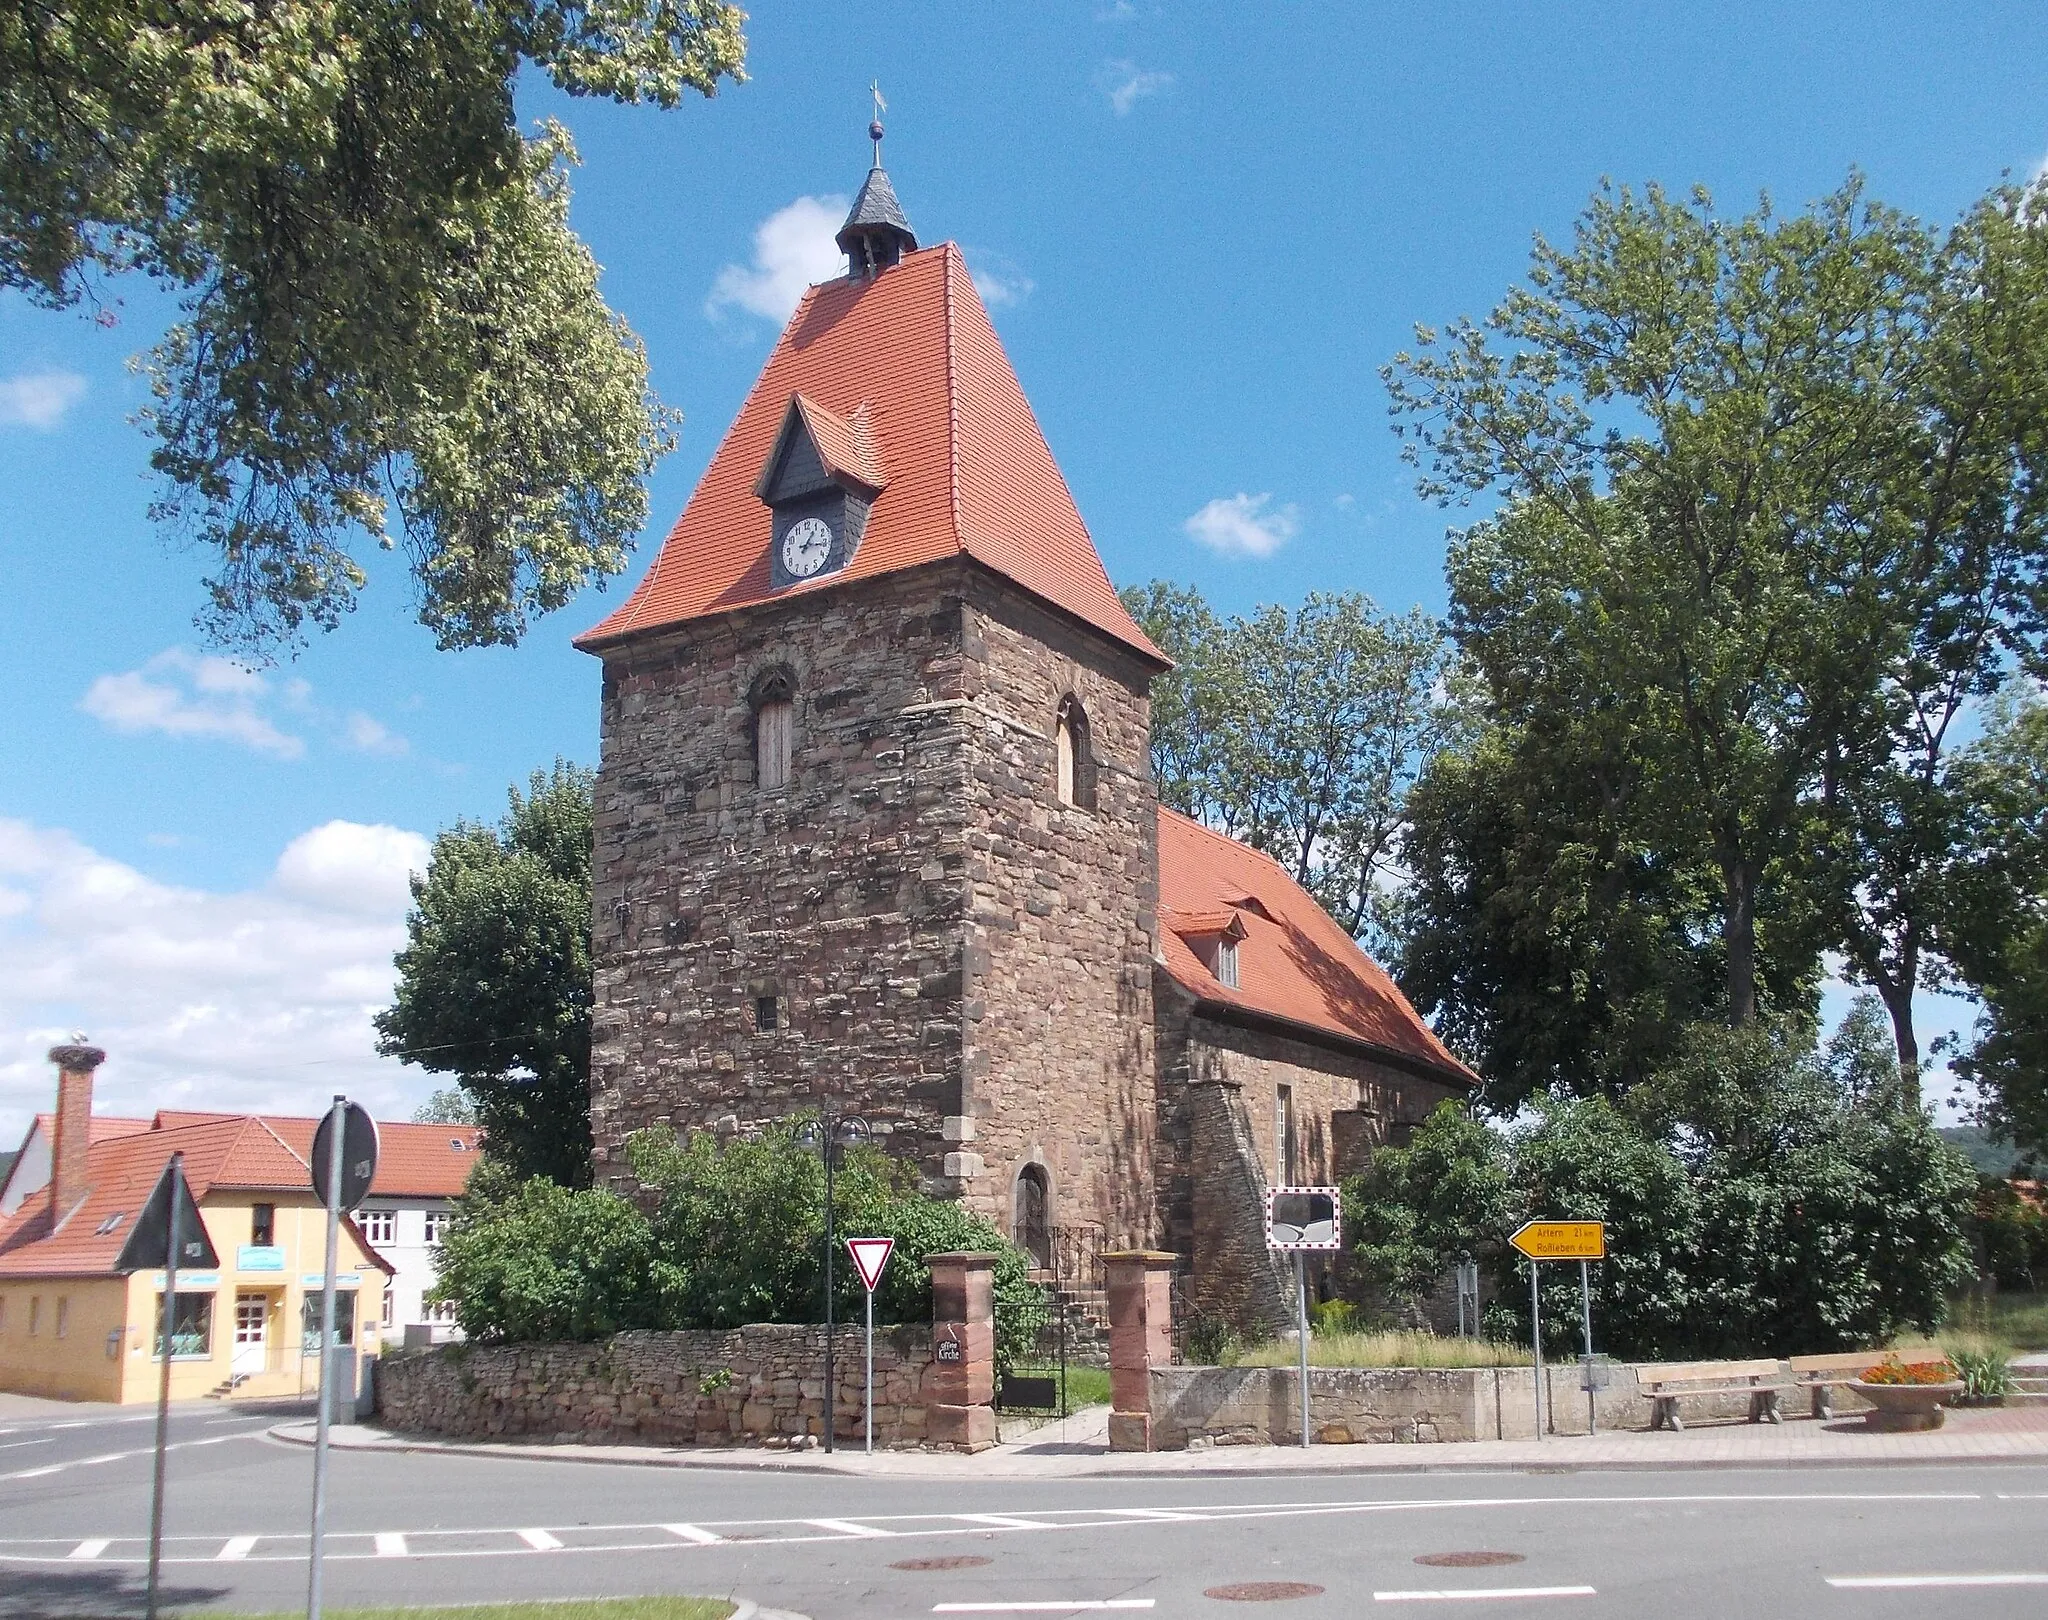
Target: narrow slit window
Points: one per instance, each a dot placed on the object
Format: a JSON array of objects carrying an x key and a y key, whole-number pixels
[
  {"x": 773, "y": 722},
  {"x": 1073, "y": 761},
  {"x": 767, "y": 1013}
]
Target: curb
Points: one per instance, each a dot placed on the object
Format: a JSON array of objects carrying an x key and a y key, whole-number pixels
[{"x": 541, "y": 1452}]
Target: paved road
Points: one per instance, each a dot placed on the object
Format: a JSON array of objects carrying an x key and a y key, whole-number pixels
[{"x": 1773, "y": 1542}]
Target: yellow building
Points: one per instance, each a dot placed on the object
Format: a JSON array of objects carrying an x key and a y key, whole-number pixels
[{"x": 73, "y": 1328}]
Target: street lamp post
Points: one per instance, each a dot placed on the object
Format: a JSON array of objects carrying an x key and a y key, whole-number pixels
[{"x": 831, "y": 1134}]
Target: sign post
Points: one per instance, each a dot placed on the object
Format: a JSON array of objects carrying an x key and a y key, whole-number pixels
[
  {"x": 870, "y": 1255},
  {"x": 167, "y": 1231},
  {"x": 1560, "y": 1240},
  {"x": 344, "y": 1165},
  {"x": 1303, "y": 1221}
]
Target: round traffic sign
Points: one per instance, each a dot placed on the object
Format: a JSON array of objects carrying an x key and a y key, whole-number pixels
[{"x": 358, "y": 1154}]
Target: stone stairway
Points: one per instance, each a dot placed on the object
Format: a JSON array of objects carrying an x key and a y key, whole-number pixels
[
  {"x": 2029, "y": 1387},
  {"x": 1087, "y": 1315}
]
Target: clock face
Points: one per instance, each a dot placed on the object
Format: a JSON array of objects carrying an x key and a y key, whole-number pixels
[{"x": 806, "y": 546}]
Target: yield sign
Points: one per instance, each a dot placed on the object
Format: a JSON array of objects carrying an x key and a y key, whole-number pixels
[{"x": 869, "y": 1256}]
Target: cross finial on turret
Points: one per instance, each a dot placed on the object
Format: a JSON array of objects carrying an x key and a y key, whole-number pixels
[{"x": 875, "y": 234}]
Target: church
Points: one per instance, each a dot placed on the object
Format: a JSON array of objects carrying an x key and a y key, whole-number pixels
[{"x": 876, "y": 826}]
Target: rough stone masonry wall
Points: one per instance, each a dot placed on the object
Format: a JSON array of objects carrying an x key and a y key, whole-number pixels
[
  {"x": 1218, "y": 1128},
  {"x": 842, "y": 894},
  {"x": 748, "y": 1386},
  {"x": 1058, "y": 1056}
]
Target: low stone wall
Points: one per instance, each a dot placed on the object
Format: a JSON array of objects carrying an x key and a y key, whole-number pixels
[
  {"x": 1255, "y": 1406},
  {"x": 760, "y": 1385}
]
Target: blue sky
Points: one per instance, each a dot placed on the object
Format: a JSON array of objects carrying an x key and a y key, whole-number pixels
[{"x": 1201, "y": 230}]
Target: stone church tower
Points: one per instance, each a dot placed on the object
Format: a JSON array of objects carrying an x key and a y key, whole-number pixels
[
  {"x": 875, "y": 816},
  {"x": 876, "y": 825}
]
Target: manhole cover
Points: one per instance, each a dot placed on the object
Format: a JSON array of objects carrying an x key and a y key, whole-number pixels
[
  {"x": 957, "y": 1561},
  {"x": 1468, "y": 1560},
  {"x": 1263, "y": 1591}
]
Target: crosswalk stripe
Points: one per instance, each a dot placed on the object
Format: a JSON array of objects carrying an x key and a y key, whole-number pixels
[
  {"x": 1481, "y": 1593},
  {"x": 89, "y": 1549},
  {"x": 539, "y": 1540},
  {"x": 390, "y": 1544},
  {"x": 690, "y": 1532},
  {"x": 237, "y": 1547},
  {"x": 1868, "y": 1583},
  {"x": 846, "y": 1527}
]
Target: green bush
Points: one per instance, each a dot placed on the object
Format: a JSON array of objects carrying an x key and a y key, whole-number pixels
[
  {"x": 1761, "y": 1197},
  {"x": 1986, "y": 1375},
  {"x": 737, "y": 1236},
  {"x": 1211, "y": 1341},
  {"x": 535, "y": 1261},
  {"x": 2012, "y": 1236}
]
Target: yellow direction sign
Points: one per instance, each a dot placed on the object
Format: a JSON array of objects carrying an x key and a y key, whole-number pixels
[{"x": 1562, "y": 1240}]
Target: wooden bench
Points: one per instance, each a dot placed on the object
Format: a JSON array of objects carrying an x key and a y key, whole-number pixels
[
  {"x": 1821, "y": 1376},
  {"x": 1664, "y": 1386}
]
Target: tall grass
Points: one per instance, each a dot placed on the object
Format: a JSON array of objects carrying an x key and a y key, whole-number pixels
[
  {"x": 2009, "y": 1321},
  {"x": 1383, "y": 1349}
]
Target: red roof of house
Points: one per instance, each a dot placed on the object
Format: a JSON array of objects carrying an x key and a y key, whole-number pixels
[
  {"x": 1294, "y": 963},
  {"x": 221, "y": 1151},
  {"x": 902, "y": 380},
  {"x": 413, "y": 1161}
]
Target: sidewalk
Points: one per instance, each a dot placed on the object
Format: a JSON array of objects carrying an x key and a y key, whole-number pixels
[{"x": 1079, "y": 1450}]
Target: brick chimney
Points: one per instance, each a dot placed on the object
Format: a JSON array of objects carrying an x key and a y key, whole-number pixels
[{"x": 75, "y": 1064}]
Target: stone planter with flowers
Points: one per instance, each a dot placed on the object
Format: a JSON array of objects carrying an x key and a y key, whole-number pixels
[{"x": 1908, "y": 1396}]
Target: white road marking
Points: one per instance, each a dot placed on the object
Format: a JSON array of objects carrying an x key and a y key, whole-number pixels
[
  {"x": 1042, "y": 1608},
  {"x": 1865, "y": 1583},
  {"x": 121, "y": 1456},
  {"x": 89, "y": 1549},
  {"x": 462, "y": 1542},
  {"x": 540, "y": 1540},
  {"x": 1470, "y": 1593},
  {"x": 13, "y": 1444},
  {"x": 846, "y": 1527},
  {"x": 237, "y": 1548}
]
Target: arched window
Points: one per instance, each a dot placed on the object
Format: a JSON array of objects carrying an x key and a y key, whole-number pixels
[
  {"x": 1074, "y": 760},
  {"x": 774, "y": 721},
  {"x": 1031, "y": 1214}
]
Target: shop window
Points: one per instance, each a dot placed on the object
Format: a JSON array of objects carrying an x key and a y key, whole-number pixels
[
  {"x": 344, "y": 1319},
  {"x": 191, "y": 1328}
]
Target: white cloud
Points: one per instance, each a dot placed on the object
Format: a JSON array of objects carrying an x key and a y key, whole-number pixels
[
  {"x": 1243, "y": 526},
  {"x": 183, "y": 694},
  {"x": 1000, "y": 281},
  {"x": 793, "y": 248},
  {"x": 1116, "y": 11},
  {"x": 39, "y": 399},
  {"x": 256, "y": 999},
  {"x": 1346, "y": 501},
  {"x": 371, "y": 736},
  {"x": 1126, "y": 84}
]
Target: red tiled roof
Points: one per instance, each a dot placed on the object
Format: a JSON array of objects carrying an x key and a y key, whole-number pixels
[
  {"x": 221, "y": 1151},
  {"x": 968, "y": 470},
  {"x": 1295, "y": 963},
  {"x": 413, "y": 1161}
]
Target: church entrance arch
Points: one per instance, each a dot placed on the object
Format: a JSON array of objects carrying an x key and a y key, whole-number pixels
[{"x": 1031, "y": 1214}]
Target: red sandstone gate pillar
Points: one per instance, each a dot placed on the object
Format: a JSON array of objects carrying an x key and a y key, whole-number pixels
[
  {"x": 1140, "y": 1338},
  {"x": 960, "y": 1383}
]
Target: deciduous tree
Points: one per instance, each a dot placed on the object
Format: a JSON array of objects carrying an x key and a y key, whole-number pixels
[
  {"x": 494, "y": 983},
  {"x": 384, "y": 308}
]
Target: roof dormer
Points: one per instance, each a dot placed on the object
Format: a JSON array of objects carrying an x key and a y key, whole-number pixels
[{"x": 820, "y": 480}]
